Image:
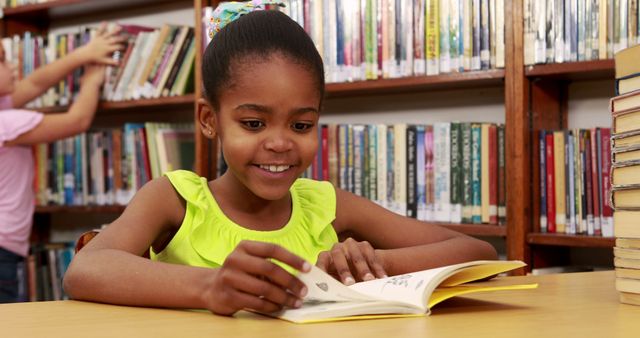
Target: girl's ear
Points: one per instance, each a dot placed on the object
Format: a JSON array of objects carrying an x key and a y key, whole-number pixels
[{"x": 206, "y": 118}]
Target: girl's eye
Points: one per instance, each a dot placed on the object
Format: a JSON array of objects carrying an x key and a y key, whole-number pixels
[
  {"x": 302, "y": 126},
  {"x": 253, "y": 124}
]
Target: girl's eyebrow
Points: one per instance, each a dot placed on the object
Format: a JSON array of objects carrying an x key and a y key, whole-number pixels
[{"x": 268, "y": 110}]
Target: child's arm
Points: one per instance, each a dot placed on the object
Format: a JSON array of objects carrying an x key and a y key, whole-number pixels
[
  {"x": 76, "y": 120},
  {"x": 403, "y": 244},
  {"x": 110, "y": 268},
  {"x": 98, "y": 50}
]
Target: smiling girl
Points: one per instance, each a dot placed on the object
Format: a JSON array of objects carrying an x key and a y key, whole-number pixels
[{"x": 237, "y": 241}]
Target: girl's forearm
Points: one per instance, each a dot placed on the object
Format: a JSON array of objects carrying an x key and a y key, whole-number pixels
[
  {"x": 43, "y": 78},
  {"x": 84, "y": 106},
  {"x": 452, "y": 251},
  {"x": 134, "y": 280}
]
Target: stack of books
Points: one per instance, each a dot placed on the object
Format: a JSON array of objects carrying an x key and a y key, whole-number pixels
[{"x": 625, "y": 175}]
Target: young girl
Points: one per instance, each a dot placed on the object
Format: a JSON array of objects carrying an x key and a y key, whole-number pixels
[
  {"x": 237, "y": 241},
  {"x": 19, "y": 129}
]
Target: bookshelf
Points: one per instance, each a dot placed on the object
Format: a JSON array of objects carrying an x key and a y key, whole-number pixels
[{"x": 535, "y": 98}]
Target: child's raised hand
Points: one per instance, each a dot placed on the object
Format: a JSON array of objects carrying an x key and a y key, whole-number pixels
[
  {"x": 102, "y": 45},
  {"x": 351, "y": 261},
  {"x": 249, "y": 279}
]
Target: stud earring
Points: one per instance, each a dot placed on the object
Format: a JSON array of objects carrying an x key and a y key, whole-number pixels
[{"x": 210, "y": 132}]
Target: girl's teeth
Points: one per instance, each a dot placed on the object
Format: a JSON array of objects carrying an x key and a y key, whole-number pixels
[{"x": 275, "y": 168}]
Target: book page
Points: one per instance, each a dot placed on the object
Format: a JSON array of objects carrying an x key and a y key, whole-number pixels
[
  {"x": 408, "y": 288},
  {"x": 324, "y": 288}
]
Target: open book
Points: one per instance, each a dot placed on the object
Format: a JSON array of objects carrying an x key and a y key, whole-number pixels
[{"x": 403, "y": 295}]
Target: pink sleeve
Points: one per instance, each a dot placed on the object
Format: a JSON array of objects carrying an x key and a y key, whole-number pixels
[
  {"x": 6, "y": 102},
  {"x": 15, "y": 122}
]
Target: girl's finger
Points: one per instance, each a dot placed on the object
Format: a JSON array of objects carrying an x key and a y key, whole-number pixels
[
  {"x": 323, "y": 261},
  {"x": 358, "y": 262},
  {"x": 259, "y": 266},
  {"x": 268, "y": 250},
  {"x": 374, "y": 263},
  {"x": 341, "y": 265},
  {"x": 263, "y": 288},
  {"x": 102, "y": 28},
  {"x": 248, "y": 301},
  {"x": 108, "y": 61}
]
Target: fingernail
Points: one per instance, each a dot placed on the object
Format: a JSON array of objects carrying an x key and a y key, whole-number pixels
[
  {"x": 368, "y": 276},
  {"x": 298, "y": 303},
  {"x": 303, "y": 291},
  {"x": 349, "y": 281},
  {"x": 306, "y": 267},
  {"x": 384, "y": 276}
]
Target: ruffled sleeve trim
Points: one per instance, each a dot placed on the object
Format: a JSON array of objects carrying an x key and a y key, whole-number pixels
[
  {"x": 15, "y": 122},
  {"x": 318, "y": 204}
]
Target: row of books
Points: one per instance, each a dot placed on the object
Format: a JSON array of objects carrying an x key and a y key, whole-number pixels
[
  {"x": 578, "y": 30},
  {"x": 108, "y": 166},
  {"x": 625, "y": 182},
  {"x": 16, "y": 3},
  {"x": 574, "y": 182},
  {"x": 40, "y": 274},
  {"x": 371, "y": 39},
  {"x": 155, "y": 63},
  {"x": 28, "y": 52},
  {"x": 446, "y": 172}
]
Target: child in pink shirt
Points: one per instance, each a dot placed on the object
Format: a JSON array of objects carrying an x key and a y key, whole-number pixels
[{"x": 20, "y": 129}]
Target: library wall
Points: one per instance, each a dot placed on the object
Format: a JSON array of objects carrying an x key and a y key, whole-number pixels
[{"x": 589, "y": 104}]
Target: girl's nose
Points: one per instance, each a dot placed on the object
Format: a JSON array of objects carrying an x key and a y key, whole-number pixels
[{"x": 278, "y": 142}]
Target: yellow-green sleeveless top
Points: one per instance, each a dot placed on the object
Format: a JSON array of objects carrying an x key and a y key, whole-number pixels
[{"x": 206, "y": 236}]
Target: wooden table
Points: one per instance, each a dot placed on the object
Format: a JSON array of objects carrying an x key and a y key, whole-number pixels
[{"x": 564, "y": 305}]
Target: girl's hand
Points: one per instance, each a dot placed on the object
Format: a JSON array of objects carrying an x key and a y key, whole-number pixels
[
  {"x": 352, "y": 261},
  {"x": 249, "y": 279},
  {"x": 101, "y": 46}
]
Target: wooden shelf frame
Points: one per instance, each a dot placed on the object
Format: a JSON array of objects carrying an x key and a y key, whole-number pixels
[
  {"x": 475, "y": 79},
  {"x": 79, "y": 209},
  {"x": 159, "y": 104},
  {"x": 574, "y": 71},
  {"x": 570, "y": 240}
]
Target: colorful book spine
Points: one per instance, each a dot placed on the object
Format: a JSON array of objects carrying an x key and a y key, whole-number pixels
[
  {"x": 476, "y": 192},
  {"x": 543, "y": 181},
  {"x": 456, "y": 172}
]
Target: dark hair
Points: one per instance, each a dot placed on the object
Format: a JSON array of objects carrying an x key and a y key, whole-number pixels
[{"x": 257, "y": 34}]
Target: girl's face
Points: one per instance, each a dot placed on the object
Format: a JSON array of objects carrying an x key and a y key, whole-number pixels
[
  {"x": 267, "y": 124},
  {"x": 6, "y": 74}
]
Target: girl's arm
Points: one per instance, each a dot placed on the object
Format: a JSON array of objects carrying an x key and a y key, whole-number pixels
[
  {"x": 110, "y": 268},
  {"x": 76, "y": 120},
  {"x": 98, "y": 50},
  {"x": 404, "y": 244}
]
